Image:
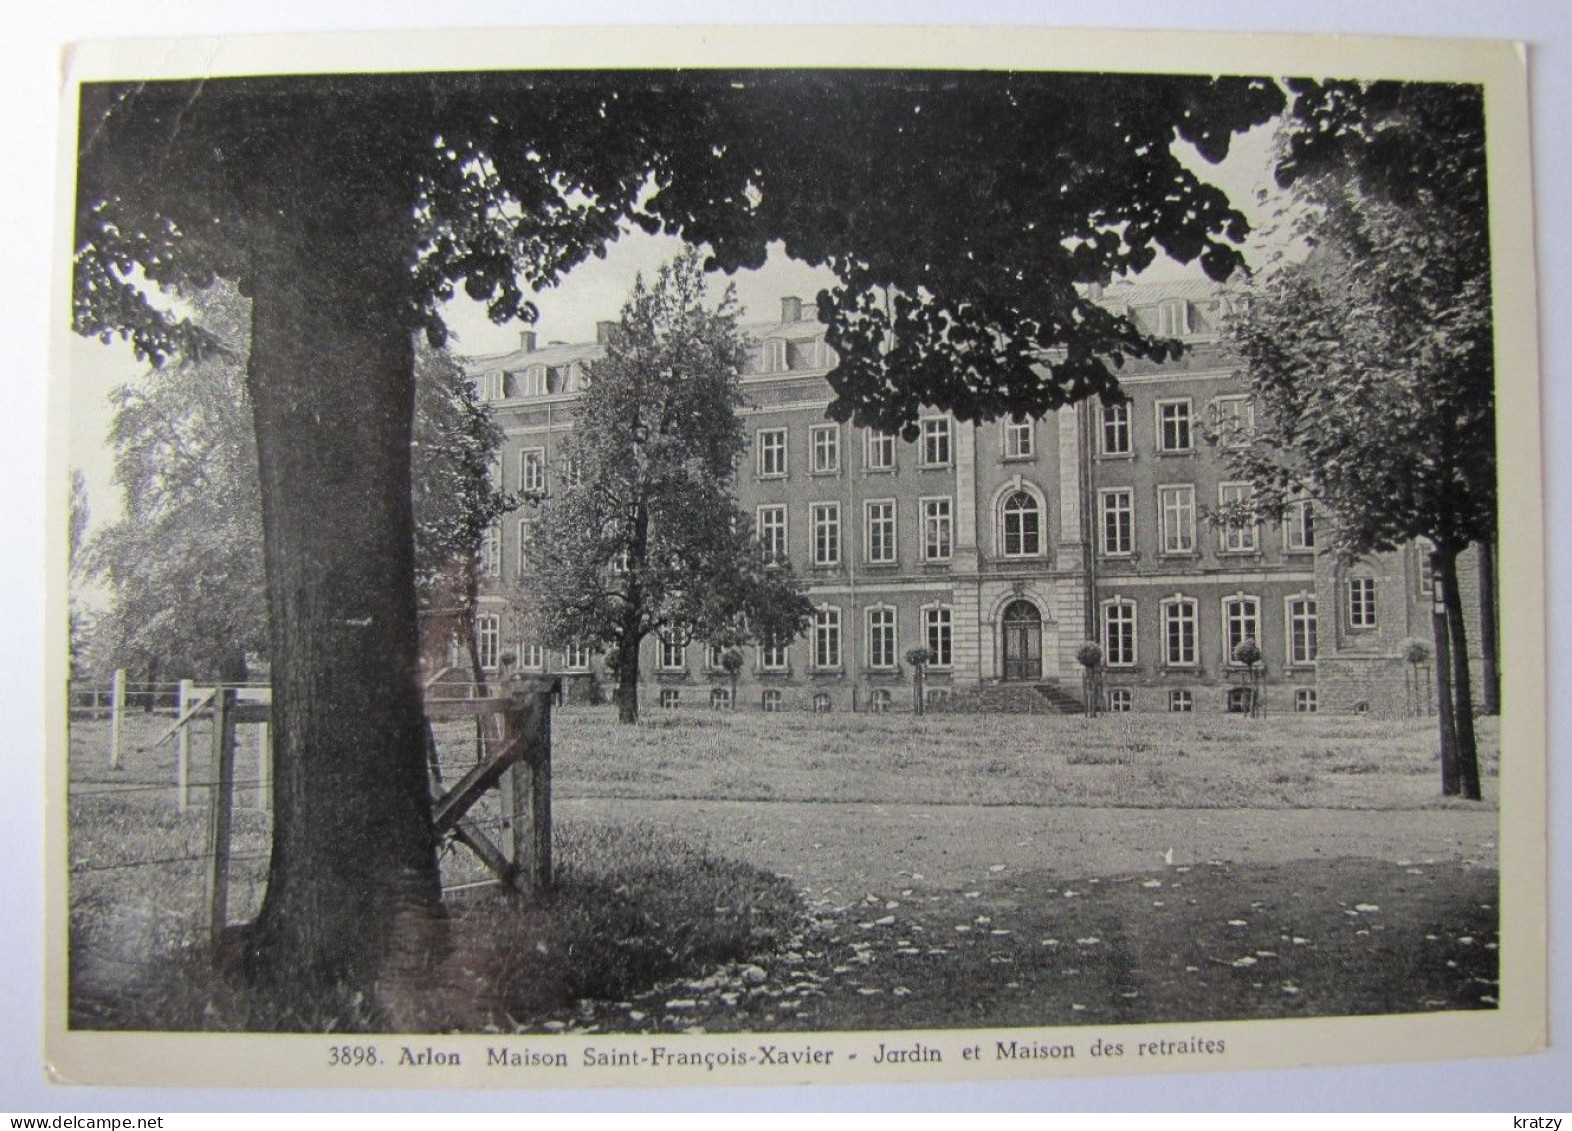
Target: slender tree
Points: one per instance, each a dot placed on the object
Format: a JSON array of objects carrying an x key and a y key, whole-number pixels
[
  {"x": 349, "y": 208},
  {"x": 644, "y": 536},
  {"x": 1372, "y": 360}
]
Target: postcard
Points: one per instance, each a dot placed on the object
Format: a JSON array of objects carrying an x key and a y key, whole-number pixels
[{"x": 683, "y": 556}]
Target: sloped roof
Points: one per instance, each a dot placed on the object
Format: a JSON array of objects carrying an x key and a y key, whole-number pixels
[
  {"x": 542, "y": 355},
  {"x": 1123, "y": 293}
]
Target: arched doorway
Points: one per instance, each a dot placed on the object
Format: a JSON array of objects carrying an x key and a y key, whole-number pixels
[{"x": 1023, "y": 641}]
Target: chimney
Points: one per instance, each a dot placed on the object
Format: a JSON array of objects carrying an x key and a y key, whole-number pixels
[
  {"x": 527, "y": 341},
  {"x": 791, "y": 309},
  {"x": 605, "y": 333}
]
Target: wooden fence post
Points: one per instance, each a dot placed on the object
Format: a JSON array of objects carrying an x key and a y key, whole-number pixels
[
  {"x": 183, "y": 751},
  {"x": 529, "y": 790},
  {"x": 220, "y": 802},
  {"x": 117, "y": 710}
]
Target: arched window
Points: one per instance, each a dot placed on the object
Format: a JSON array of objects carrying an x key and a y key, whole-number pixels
[{"x": 1021, "y": 523}]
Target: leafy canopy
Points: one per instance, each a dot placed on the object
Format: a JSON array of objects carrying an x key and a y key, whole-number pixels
[
  {"x": 184, "y": 564},
  {"x": 1372, "y": 361},
  {"x": 644, "y": 535},
  {"x": 957, "y": 210}
]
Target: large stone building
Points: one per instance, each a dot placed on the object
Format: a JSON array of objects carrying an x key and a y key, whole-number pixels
[{"x": 999, "y": 547}]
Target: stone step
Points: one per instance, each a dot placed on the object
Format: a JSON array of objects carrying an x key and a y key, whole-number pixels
[{"x": 1010, "y": 699}]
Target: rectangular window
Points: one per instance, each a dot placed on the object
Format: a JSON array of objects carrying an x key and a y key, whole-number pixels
[
  {"x": 880, "y": 523},
  {"x": 881, "y": 638},
  {"x": 1301, "y": 630},
  {"x": 720, "y": 698},
  {"x": 774, "y": 657},
  {"x": 532, "y": 470},
  {"x": 1361, "y": 602},
  {"x": 937, "y": 530},
  {"x": 713, "y": 655},
  {"x": 673, "y": 655},
  {"x": 936, "y": 441},
  {"x": 1304, "y": 700},
  {"x": 826, "y": 534},
  {"x": 1234, "y": 418},
  {"x": 1299, "y": 526},
  {"x": 1118, "y": 522},
  {"x": 826, "y": 445},
  {"x": 878, "y": 451},
  {"x": 771, "y": 532},
  {"x": 1181, "y": 702},
  {"x": 776, "y": 356},
  {"x": 1173, "y": 318},
  {"x": 1120, "y": 701},
  {"x": 1179, "y": 626},
  {"x": 1176, "y": 510},
  {"x": 1232, "y": 500},
  {"x": 770, "y": 447},
  {"x": 534, "y": 381},
  {"x": 827, "y": 639},
  {"x": 1173, "y": 426},
  {"x": 575, "y": 658},
  {"x": 532, "y": 657},
  {"x": 670, "y": 697},
  {"x": 770, "y": 700},
  {"x": 491, "y": 551},
  {"x": 1018, "y": 439},
  {"x": 1423, "y": 548},
  {"x": 1241, "y": 622},
  {"x": 488, "y": 639},
  {"x": 526, "y": 540},
  {"x": 937, "y": 631},
  {"x": 1115, "y": 431},
  {"x": 1119, "y": 634}
]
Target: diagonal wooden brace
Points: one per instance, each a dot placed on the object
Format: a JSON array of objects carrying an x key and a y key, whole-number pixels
[
  {"x": 469, "y": 835},
  {"x": 456, "y": 802}
]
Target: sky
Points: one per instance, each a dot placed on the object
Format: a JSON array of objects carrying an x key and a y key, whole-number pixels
[{"x": 595, "y": 291}]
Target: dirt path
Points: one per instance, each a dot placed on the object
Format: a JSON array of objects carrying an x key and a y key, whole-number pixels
[{"x": 851, "y": 848}]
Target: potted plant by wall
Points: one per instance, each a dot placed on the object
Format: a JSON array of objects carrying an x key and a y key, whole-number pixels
[
  {"x": 1090, "y": 656},
  {"x": 919, "y": 659}
]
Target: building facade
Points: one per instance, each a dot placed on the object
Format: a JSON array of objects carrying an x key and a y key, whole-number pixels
[{"x": 998, "y": 547}]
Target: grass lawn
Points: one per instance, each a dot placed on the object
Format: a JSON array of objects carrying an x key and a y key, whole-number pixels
[
  {"x": 1137, "y": 760},
  {"x": 678, "y": 924}
]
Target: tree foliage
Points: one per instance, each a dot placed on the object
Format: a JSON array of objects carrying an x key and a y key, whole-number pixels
[
  {"x": 1372, "y": 362},
  {"x": 1056, "y": 179},
  {"x": 644, "y": 536},
  {"x": 184, "y": 563}
]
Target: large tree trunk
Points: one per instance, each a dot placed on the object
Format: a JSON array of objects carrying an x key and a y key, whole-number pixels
[
  {"x": 627, "y": 661},
  {"x": 1441, "y": 635},
  {"x": 1462, "y": 681},
  {"x": 353, "y": 905},
  {"x": 1490, "y": 666}
]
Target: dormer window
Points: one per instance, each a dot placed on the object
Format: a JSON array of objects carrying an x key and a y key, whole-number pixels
[
  {"x": 534, "y": 382},
  {"x": 1173, "y": 318},
  {"x": 561, "y": 379},
  {"x": 492, "y": 386},
  {"x": 776, "y": 357}
]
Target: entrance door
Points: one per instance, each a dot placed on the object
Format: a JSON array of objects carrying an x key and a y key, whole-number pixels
[{"x": 1023, "y": 642}]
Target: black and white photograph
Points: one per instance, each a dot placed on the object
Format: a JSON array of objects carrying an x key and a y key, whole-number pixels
[{"x": 731, "y": 570}]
